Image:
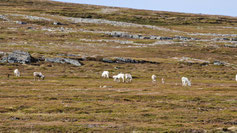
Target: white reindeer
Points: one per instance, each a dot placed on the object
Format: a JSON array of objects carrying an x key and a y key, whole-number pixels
[
  {"x": 118, "y": 77},
  {"x": 185, "y": 81},
  {"x": 163, "y": 81},
  {"x": 105, "y": 74},
  {"x": 128, "y": 77},
  {"x": 17, "y": 73},
  {"x": 39, "y": 75},
  {"x": 115, "y": 77},
  {"x": 153, "y": 78}
]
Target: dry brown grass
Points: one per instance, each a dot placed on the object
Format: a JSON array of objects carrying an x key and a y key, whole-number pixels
[{"x": 70, "y": 99}]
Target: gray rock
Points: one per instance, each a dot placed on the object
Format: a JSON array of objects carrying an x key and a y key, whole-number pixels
[
  {"x": 63, "y": 61},
  {"x": 73, "y": 62},
  {"x": 166, "y": 38},
  {"x": 3, "y": 60},
  {"x": 135, "y": 36},
  {"x": 147, "y": 37},
  {"x": 3, "y": 17},
  {"x": 218, "y": 63},
  {"x": 124, "y": 60},
  {"x": 18, "y": 57},
  {"x": 154, "y": 37},
  {"x": 183, "y": 38},
  {"x": 216, "y": 39},
  {"x": 30, "y": 28},
  {"x": 55, "y": 60},
  {"x": 230, "y": 46},
  {"x": 2, "y": 53},
  {"x": 127, "y": 60},
  {"x": 20, "y": 22},
  {"x": 225, "y": 39},
  {"x": 106, "y": 60},
  {"x": 234, "y": 39},
  {"x": 57, "y": 23}
]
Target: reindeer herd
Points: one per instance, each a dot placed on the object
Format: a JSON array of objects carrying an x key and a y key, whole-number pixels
[
  {"x": 38, "y": 75},
  {"x": 117, "y": 78},
  {"x": 128, "y": 78}
]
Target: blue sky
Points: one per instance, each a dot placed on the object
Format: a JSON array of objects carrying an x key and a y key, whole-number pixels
[{"x": 215, "y": 7}]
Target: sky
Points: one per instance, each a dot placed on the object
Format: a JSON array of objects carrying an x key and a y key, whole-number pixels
[{"x": 214, "y": 7}]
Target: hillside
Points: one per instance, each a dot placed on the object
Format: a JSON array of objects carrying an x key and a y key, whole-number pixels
[{"x": 72, "y": 44}]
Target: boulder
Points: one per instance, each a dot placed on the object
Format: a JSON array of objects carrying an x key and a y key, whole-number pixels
[
  {"x": 218, "y": 63},
  {"x": 63, "y": 61},
  {"x": 234, "y": 39},
  {"x": 2, "y": 53},
  {"x": 183, "y": 38},
  {"x": 73, "y": 62},
  {"x": 124, "y": 60},
  {"x": 57, "y": 23},
  {"x": 166, "y": 38},
  {"x": 154, "y": 37},
  {"x": 230, "y": 46},
  {"x": 127, "y": 60},
  {"x": 225, "y": 39},
  {"x": 107, "y": 60},
  {"x": 20, "y": 22},
  {"x": 18, "y": 57}
]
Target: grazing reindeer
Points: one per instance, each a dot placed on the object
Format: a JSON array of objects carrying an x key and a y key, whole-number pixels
[
  {"x": 39, "y": 75},
  {"x": 105, "y": 74},
  {"x": 17, "y": 73},
  {"x": 153, "y": 78},
  {"x": 163, "y": 81},
  {"x": 118, "y": 77},
  {"x": 128, "y": 77},
  {"x": 185, "y": 81}
]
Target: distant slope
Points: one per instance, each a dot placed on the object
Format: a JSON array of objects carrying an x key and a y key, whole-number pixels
[{"x": 117, "y": 14}]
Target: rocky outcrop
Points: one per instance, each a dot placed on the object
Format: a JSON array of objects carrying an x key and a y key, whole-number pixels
[
  {"x": 125, "y": 60},
  {"x": 230, "y": 46},
  {"x": 3, "y": 17},
  {"x": 25, "y": 58},
  {"x": 57, "y": 23},
  {"x": 18, "y": 57},
  {"x": 20, "y": 22},
  {"x": 191, "y": 61},
  {"x": 63, "y": 61},
  {"x": 134, "y": 36},
  {"x": 107, "y": 60},
  {"x": 219, "y": 63},
  {"x": 116, "y": 60},
  {"x": 225, "y": 39}
]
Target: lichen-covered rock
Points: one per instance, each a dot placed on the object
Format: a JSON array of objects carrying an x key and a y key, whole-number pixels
[
  {"x": 20, "y": 22},
  {"x": 18, "y": 57},
  {"x": 127, "y": 60},
  {"x": 57, "y": 23},
  {"x": 230, "y": 45},
  {"x": 73, "y": 62},
  {"x": 63, "y": 61},
  {"x": 218, "y": 63},
  {"x": 107, "y": 60}
]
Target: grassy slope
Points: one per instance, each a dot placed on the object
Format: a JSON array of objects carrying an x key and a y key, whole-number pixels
[{"x": 70, "y": 98}]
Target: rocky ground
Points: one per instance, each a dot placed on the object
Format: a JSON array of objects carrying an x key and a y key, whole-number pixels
[{"x": 73, "y": 44}]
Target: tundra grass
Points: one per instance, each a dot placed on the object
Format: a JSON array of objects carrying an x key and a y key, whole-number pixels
[{"x": 77, "y": 99}]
